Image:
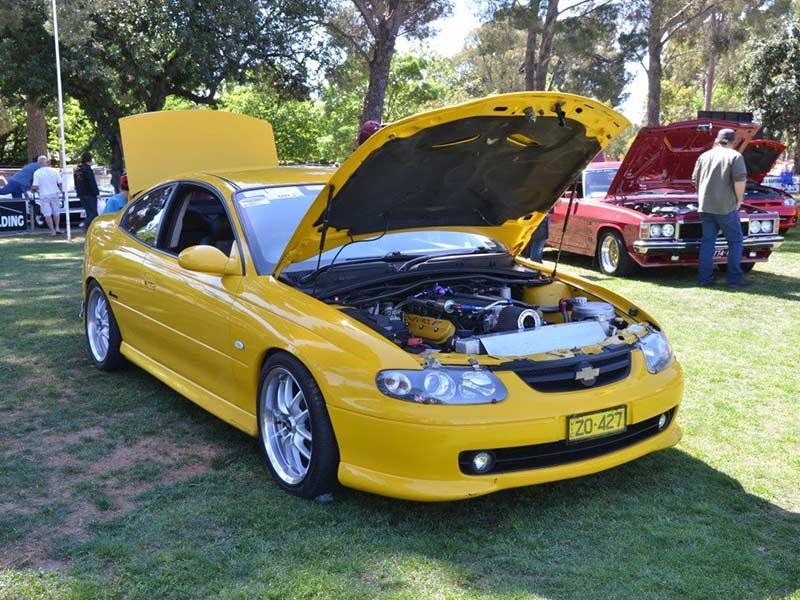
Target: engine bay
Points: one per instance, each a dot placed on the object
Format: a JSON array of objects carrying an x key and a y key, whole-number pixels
[
  {"x": 663, "y": 208},
  {"x": 486, "y": 315}
]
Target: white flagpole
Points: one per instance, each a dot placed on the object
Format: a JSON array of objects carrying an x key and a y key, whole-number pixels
[{"x": 64, "y": 195}]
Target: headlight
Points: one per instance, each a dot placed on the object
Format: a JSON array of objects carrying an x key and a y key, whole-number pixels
[
  {"x": 766, "y": 226},
  {"x": 655, "y": 231},
  {"x": 755, "y": 227},
  {"x": 789, "y": 202},
  {"x": 656, "y": 350},
  {"x": 442, "y": 385},
  {"x": 668, "y": 230}
]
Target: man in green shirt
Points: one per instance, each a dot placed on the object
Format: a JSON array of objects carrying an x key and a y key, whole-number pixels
[{"x": 720, "y": 176}]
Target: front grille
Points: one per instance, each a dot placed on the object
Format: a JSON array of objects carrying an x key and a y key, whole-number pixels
[
  {"x": 694, "y": 231},
  {"x": 559, "y": 375},
  {"x": 559, "y": 453}
]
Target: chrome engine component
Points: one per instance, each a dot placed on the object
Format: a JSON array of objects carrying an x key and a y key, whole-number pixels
[
  {"x": 583, "y": 310},
  {"x": 559, "y": 336}
]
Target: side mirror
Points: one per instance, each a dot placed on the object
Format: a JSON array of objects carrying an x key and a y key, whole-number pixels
[{"x": 208, "y": 259}]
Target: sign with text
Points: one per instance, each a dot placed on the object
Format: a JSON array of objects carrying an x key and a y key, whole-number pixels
[{"x": 12, "y": 215}]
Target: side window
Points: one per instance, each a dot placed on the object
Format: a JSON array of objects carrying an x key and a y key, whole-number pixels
[
  {"x": 197, "y": 217},
  {"x": 144, "y": 215}
]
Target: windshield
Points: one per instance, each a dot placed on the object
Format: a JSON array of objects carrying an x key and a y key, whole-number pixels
[
  {"x": 271, "y": 215},
  {"x": 597, "y": 181}
]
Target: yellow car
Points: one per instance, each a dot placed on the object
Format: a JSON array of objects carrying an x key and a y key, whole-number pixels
[{"x": 375, "y": 325}]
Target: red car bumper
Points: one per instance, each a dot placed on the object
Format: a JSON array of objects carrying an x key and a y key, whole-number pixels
[{"x": 661, "y": 253}]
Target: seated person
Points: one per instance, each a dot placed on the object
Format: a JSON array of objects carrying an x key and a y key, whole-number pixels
[{"x": 116, "y": 202}]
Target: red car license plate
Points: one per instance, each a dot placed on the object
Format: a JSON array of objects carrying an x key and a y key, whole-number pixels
[{"x": 721, "y": 253}]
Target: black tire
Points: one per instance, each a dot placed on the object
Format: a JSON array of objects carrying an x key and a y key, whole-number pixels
[
  {"x": 612, "y": 254},
  {"x": 111, "y": 359},
  {"x": 320, "y": 476}
]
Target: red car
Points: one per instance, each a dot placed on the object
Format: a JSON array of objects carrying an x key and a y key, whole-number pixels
[
  {"x": 647, "y": 213},
  {"x": 761, "y": 156}
]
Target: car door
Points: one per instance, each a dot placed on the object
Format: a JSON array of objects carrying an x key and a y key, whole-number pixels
[
  {"x": 192, "y": 308},
  {"x": 575, "y": 226},
  {"x": 122, "y": 275}
]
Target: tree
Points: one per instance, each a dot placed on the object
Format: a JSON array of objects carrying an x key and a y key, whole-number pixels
[
  {"x": 373, "y": 38},
  {"x": 773, "y": 82},
  {"x": 27, "y": 77},
  {"x": 143, "y": 51},
  {"x": 419, "y": 81},
  {"x": 658, "y": 22},
  {"x": 13, "y": 148},
  {"x": 703, "y": 65},
  {"x": 490, "y": 60},
  {"x": 571, "y": 46}
]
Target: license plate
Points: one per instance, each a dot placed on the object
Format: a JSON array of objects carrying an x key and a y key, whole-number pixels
[
  {"x": 721, "y": 253},
  {"x": 596, "y": 424}
]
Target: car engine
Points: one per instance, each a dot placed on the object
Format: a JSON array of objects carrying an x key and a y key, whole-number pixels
[
  {"x": 668, "y": 208},
  {"x": 439, "y": 318}
]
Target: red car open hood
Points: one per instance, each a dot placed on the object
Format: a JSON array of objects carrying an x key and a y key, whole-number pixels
[
  {"x": 663, "y": 157},
  {"x": 760, "y": 156}
]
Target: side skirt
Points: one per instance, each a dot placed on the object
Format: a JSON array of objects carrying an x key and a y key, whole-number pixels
[{"x": 217, "y": 406}]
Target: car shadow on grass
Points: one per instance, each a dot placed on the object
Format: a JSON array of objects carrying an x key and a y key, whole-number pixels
[{"x": 665, "y": 526}]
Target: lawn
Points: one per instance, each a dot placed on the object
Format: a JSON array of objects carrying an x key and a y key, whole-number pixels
[{"x": 115, "y": 486}]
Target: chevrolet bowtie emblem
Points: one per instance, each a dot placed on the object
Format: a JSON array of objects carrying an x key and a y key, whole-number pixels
[{"x": 587, "y": 375}]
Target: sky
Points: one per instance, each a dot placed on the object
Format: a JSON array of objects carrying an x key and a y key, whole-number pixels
[{"x": 453, "y": 32}]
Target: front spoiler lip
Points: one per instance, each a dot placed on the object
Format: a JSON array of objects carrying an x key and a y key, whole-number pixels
[
  {"x": 771, "y": 242},
  {"x": 426, "y": 490}
]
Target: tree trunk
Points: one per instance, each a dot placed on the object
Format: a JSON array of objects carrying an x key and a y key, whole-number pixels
[
  {"x": 36, "y": 128},
  {"x": 654, "y": 72},
  {"x": 378, "y": 80},
  {"x": 116, "y": 160},
  {"x": 796, "y": 168},
  {"x": 708, "y": 92},
  {"x": 530, "y": 57},
  {"x": 711, "y": 67},
  {"x": 546, "y": 47}
]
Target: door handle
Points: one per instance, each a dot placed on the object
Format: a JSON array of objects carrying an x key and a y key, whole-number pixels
[{"x": 149, "y": 282}]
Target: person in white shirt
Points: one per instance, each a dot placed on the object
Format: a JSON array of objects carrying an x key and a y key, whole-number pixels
[{"x": 47, "y": 182}]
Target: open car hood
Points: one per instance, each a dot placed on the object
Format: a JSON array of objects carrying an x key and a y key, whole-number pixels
[
  {"x": 159, "y": 146},
  {"x": 664, "y": 157},
  {"x": 760, "y": 156},
  {"x": 493, "y": 166}
]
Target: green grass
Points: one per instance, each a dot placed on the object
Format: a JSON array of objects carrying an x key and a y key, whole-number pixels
[{"x": 115, "y": 486}]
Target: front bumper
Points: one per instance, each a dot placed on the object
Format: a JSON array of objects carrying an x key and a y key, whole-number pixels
[
  {"x": 683, "y": 252},
  {"x": 420, "y": 461}
]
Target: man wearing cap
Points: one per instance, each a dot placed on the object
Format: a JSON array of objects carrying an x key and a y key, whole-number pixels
[{"x": 720, "y": 176}]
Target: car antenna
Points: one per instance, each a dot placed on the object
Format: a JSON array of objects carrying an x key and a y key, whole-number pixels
[
  {"x": 564, "y": 228},
  {"x": 324, "y": 232}
]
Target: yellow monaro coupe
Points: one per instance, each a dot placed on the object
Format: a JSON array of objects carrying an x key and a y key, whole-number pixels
[{"x": 375, "y": 325}]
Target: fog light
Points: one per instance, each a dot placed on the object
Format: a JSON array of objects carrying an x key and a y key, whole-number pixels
[
  {"x": 752, "y": 255},
  {"x": 482, "y": 462},
  {"x": 662, "y": 421}
]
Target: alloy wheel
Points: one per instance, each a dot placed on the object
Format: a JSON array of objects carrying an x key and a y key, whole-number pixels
[{"x": 286, "y": 426}]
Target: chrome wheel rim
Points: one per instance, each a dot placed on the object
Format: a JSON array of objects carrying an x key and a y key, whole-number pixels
[
  {"x": 609, "y": 254},
  {"x": 97, "y": 324},
  {"x": 285, "y": 426}
]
